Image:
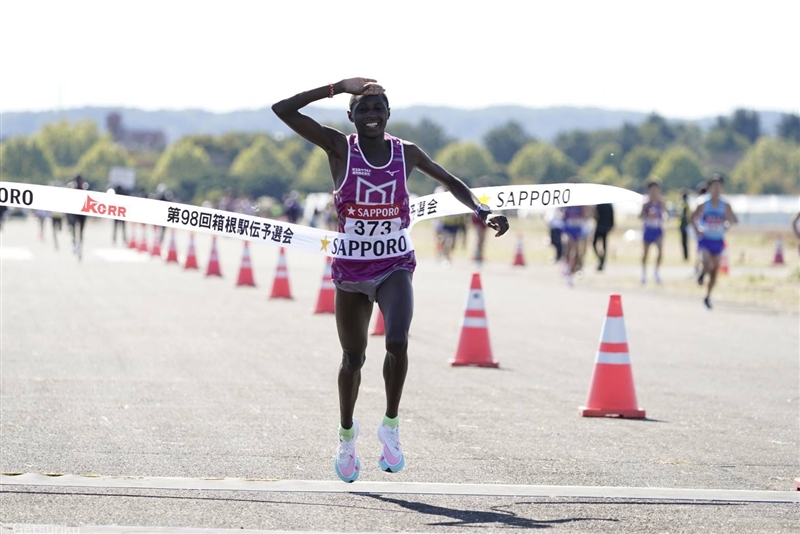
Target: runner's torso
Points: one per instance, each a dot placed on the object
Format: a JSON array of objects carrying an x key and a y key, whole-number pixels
[
  {"x": 713, "y": 220},
  {"x": 653, "y": 215},
  {"x": 372, "y": 201},
  {"x": 574, "y": 217}
]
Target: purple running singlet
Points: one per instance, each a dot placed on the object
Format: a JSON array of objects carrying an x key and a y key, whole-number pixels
[{"x": 372, "y": 201}]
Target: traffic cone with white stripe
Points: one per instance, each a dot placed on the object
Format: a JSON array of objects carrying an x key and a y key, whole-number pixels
[
  {"x": 132, "y": 241},
  {"x": 143, "y": 240},
  {"x": 380, "y": 327},
  {"x": 778, "y": 259},
  {"x": 191, "y": 257},
  {"x": 156, "y": 249},
  {"x": 519, "y": 259},
  {"x": 325, "y": 301},
  {"x": 473, "y": 345},
  {"x": 246, "y": 270},
  {"x": 213, "y": 260},
  {"x": 612, "y": 392},
  {"x": 172, "y": 253},
  {"x": 280, "y": 286},
  {"x": 724, "y": 266}
]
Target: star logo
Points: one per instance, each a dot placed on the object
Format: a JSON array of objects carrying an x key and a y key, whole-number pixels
[
  {"x": 324, "y": 243},
  {"x": 351, "y": 211},
  {"x": 484, "y": 198}
]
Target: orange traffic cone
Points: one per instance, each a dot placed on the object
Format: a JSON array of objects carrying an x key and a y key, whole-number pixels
[
  {"x": 380, "y": 328},
  {"x": 143, "y": 240},
  {"x": 724, "y": 266},
  {"x": 246, "y": 270},
  {"x": 519, "y": 260},
  {"x": 325, "y": 301},
  {"x": 280, "y": 286},
  {"x": 778, "y": 259},
  {"x": 473, "y": 345},
  {"x": 156, "y": 250},
  {"x": 213, "y": 260},
  {"x": 132, "y": 241},
  {"x": 172, "y": 253},
  {"x": 612, "y": 392},
  {"x": 191, "y": 257}
]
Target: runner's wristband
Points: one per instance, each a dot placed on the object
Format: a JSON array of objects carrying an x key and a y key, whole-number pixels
[{"x": 481, "y": 209}]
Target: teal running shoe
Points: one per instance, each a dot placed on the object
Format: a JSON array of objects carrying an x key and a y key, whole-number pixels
[
  {"x": 392, "y": 459},
  {"x": 347, "y": 464}
]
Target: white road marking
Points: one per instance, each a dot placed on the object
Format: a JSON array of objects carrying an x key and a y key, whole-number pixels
[
  {"x": 121, "y": 255},
  {"x": 28, "y": 528},
  {"x": 412, "y": 488},
  {"x": 16, "y": 253}
]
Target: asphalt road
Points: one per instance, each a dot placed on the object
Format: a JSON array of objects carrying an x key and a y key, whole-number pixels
[{"x": 121, "y": 365}]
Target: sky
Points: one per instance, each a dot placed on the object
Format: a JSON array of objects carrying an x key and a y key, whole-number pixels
[{"x": 680, "y": 58}]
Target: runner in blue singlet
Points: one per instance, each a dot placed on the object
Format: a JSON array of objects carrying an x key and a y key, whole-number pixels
[
  {"x": 653, "y": 213},
  {"x": 711, "y": 218}
]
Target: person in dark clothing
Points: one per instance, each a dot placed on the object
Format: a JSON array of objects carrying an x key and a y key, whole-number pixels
[
  {"x": 77, "y": 222},
  {"x": 292, "y": 208},
  {"x": 119, "y": 223},
  {"x": 605, "y": 222},
  {"x": 685, "y": 213}
]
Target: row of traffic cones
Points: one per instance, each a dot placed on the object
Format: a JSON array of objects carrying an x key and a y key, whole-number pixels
[
  {"x": 519, "y": 258},
  {"x": 611, "y": 393}
]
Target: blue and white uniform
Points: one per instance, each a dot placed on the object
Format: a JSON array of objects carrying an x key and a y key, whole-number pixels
[
  {"x": 653, "y": 222},
  {"x": 712, "y": 223}
]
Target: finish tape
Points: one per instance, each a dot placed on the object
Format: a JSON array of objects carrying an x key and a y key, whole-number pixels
[{"x": 372, "y": 245}]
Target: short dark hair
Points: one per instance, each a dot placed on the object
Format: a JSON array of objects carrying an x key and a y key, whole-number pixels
[
  {"x": 716, "y": 178},
  {"x": 356, "y": 98},
  {"x": 653, "y": 182}
]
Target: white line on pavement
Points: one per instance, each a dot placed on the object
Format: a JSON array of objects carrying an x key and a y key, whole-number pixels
[
  {"x": 28, "y": 528},
  {"x": 121, "y": 255},
  {"x": 16, "y": 253},
  {"x": 416, "y": 488}
]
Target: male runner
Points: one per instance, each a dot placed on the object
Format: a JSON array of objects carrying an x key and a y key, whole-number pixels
[
  {"x": 370, "y": 168},
  {"x": 653, "y": 213},
  {"x": 714, "y": 216},
  {"x": 604, "y": 213},
  {"x": 75, "y": 220},
  {"x": 575, "y": 218}
]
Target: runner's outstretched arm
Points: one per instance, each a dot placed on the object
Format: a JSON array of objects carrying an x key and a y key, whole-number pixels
[
  {"x": 329, "y": 139},
  {"x": 416, "y": 157}
]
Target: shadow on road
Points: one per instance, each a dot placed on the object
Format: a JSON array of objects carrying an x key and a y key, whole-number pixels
[
  {"x": 193, "y": 498},
  {"x": 493, "y": 516}
]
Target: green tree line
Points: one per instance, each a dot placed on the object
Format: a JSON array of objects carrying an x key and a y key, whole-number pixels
[{"x": 203, "y": 167}]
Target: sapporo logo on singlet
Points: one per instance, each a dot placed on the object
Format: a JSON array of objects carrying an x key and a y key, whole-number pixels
[
  {"x": 371, "y": 194},
  {"x": 93, "y": 206}
]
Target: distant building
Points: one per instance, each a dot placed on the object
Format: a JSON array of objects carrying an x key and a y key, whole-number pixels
[{"x": 135, "y": 140}]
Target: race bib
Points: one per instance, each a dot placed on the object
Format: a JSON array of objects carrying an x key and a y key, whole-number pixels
[{"x": 372, "y": 220}]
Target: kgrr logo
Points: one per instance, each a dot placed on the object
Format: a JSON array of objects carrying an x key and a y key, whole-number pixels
[{"x": 93, "y": 206}]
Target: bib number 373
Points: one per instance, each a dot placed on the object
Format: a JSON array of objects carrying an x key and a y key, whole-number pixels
[{"x": 362, "y": 227}]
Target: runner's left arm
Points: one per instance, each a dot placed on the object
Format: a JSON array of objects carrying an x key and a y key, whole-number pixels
[
  {"x": 416, "y": 157},
  {"x": 795, "y": 224},
  {"x": 729, "y": 215},
  {"x": 698, "y": 211}
]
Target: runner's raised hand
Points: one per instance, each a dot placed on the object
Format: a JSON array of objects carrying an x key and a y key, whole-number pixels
[{"x": 361, "y": 86}]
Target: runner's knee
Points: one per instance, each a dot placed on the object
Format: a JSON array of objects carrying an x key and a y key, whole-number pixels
[
  {"x": 353, "y": 361},
  {"x": 397, "y": 346}
]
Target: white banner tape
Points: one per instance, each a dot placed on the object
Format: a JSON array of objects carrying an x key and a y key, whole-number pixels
[{"x": 295, "y": 236}]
